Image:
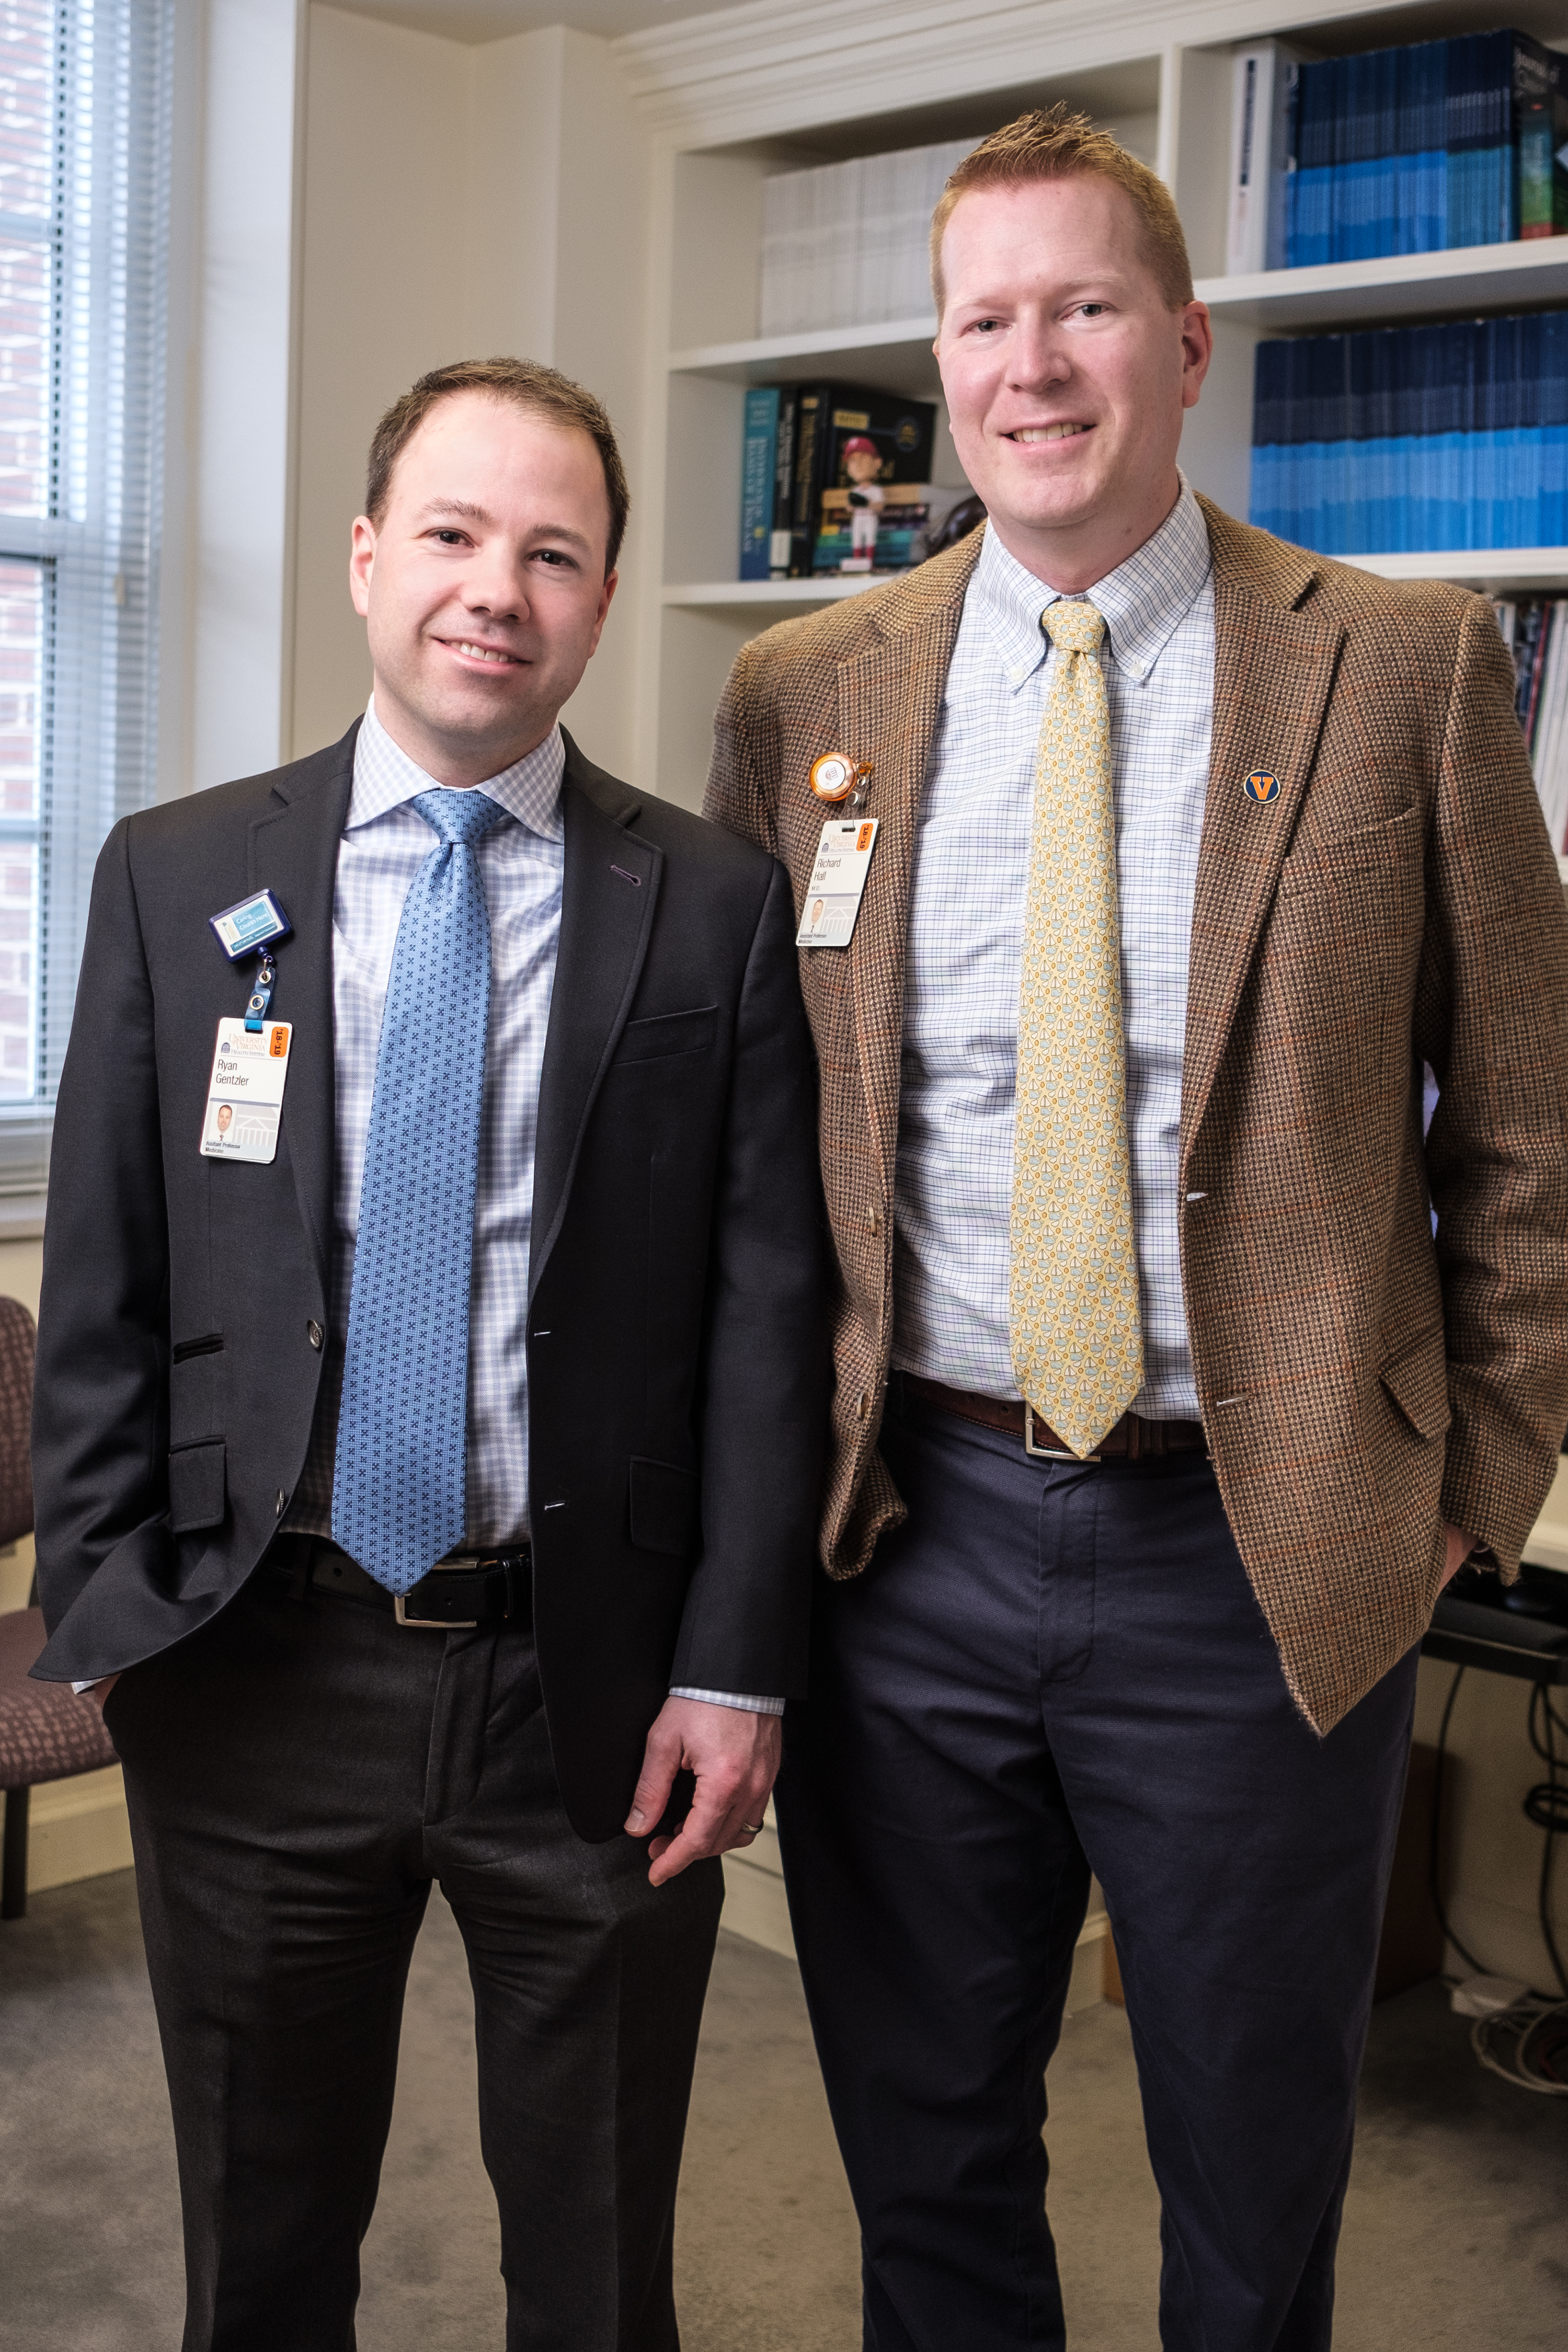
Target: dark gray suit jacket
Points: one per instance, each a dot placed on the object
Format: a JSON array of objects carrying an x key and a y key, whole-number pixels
[{"x": 677, "y": 1345}]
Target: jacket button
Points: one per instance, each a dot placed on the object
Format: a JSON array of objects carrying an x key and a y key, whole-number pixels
[
  {"x": 313, "y": 1333},
  {"x": 863, "y": 1408},
  {"x": 278, "y": 1505},
  {"x": 874, "y": 1218}
]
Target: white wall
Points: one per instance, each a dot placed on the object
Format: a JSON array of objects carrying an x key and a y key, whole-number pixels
[
  {"x": 386, "y": 137},
  {"x": 457, "y": 203},
  {"x": 240, "y": 559}
]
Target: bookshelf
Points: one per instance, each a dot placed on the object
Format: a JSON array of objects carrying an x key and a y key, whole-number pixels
[{"x": 756, "y": 90}]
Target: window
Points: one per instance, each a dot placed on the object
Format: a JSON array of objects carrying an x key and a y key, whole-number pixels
[{"x": 83, "y": 199}]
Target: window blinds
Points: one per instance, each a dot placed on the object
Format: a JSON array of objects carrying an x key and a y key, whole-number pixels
[{"x": 84, "y": 145}]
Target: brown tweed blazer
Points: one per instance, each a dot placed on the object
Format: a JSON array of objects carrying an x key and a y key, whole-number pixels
[{"x": 1396, "y": 903}]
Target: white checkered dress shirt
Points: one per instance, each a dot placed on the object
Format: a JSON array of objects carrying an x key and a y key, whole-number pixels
[
  {"x": 954, "y": 1182},
  {"x": 521, "y": 861}
]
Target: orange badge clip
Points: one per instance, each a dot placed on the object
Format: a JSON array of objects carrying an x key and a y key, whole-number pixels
[{"x": 834, "y": 776}]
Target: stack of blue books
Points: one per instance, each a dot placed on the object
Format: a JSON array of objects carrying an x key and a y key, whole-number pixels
[
  {"x": 1405, "y": 439},
  {"x": 1416, "y": 149}
]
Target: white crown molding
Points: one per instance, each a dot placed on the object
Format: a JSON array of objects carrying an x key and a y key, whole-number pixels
[{"x": 761, "y": 69}]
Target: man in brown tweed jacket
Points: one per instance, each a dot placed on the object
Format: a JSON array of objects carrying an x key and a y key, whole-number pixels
[{"x": 1181, "y": 1652}]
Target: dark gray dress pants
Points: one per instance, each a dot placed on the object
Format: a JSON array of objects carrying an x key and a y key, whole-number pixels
[{"x": 298, "y": 1774}]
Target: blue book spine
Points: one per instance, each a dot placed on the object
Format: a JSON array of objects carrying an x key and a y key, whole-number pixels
[
  {"x": 1328, "y": 401},
  {"x": 1458, "y": 139},
  {"x": 1388, "y": 506},
  {"x": 1312, "y": 196},
  {"x": 759, "y": 457},
  {"x": 1352, "y": 166},
  {"x": 1265, "y": 506},
  {"x": 1386, "y": 85},
  {"x": 1360, "y": 491},
  {"x": 1552, "y": 408},
  {"x": 1299, "y": 478},
  {"x": 1432, "y": 157},
  {"x": 1403, "y": 443},
  {"x": 1524, "y": 516}
]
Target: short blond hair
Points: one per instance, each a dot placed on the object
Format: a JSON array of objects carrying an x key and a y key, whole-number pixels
[{"x": 1054, "y": 143}]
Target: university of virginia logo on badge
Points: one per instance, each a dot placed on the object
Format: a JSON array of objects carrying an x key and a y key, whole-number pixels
[{"x": 1261, "y": 787}]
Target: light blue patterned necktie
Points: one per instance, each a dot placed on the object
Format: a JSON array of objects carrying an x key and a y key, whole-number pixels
[{"x": 398, "y": 1500}]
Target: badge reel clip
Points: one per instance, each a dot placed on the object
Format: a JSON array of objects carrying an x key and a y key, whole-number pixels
[
  {"x": 254, "y": 924},
  {"x": 837, "y": 778}
]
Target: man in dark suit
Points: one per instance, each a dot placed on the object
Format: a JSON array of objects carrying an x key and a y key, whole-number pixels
[{"x": 426, "y": 1485}]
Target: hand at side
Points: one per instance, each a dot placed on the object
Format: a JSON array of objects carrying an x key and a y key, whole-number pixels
[
  {"x": 1460, "y": 1546},
  {"x": 734, "y": 1755}
]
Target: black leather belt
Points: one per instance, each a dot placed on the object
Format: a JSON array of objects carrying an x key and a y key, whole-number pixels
[
  {"x": 1133, "y": 1439},
  {"x": 491, "y": 1587}
]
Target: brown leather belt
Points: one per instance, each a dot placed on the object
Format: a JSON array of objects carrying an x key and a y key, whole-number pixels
[{"x": 1133, "y": 1439}]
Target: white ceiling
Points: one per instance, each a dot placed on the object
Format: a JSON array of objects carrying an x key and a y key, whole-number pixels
[{"x": 492, "y": 20}]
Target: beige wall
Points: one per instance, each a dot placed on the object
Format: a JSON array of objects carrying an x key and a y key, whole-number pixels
[{"x": 457, "y": 202}]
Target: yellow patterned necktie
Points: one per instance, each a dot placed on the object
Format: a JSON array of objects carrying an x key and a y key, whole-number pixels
[{"x": 1077, "y": 1332}]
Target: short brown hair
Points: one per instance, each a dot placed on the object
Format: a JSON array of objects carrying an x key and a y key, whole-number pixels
[
  {"x": 526, "y": 384},
  {"x": 1053, "y": 143}
]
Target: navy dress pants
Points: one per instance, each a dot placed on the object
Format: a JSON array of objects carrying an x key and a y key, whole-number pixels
[{"x": 1053, "y": 1669}]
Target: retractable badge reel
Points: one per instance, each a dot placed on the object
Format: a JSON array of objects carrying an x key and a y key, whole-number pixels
[
  {"x": 250, "y": 1061},
  {"x": 249, "y": 926}
]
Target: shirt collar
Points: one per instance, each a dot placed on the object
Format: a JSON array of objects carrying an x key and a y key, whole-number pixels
[
  {"x": 1144, "y": 600},
  {"x": 384, "y": 777}
]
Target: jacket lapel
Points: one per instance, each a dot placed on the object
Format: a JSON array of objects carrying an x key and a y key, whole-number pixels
[
  {"x": 890, "y": 707},
  {"x": 293, "y": 852},
  {"x": 1274, "y": 668},
  {"x": 609, "y": 889}
]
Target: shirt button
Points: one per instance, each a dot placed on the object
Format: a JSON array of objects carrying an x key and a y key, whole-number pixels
[{"x": 313, "y": 1333}]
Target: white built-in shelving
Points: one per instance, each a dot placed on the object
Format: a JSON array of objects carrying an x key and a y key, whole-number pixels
[
  {"x": 756, "y": 90},
  {"x": 760, "y": 593},
  {"x": 1488, "y": 568},
  {"x": 1397, "y": 287}
]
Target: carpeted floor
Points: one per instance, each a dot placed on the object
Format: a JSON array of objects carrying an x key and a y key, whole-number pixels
[{"x": 1455, "y": 2234}]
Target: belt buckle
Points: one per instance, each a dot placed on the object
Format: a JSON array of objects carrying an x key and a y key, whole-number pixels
[
  {"x": 1047, "y": 1453},
  {"x": 431, "y": 1624}
]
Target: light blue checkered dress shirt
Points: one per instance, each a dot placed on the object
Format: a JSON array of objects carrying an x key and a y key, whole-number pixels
[
  {"x": 521, "y": 861},
  {"x": 954, "y": 1182}
]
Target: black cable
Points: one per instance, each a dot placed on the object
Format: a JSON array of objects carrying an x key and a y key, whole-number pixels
[
  {"x": 1547, "y": 1807},
  {"x": 1433, "y": 1873}
]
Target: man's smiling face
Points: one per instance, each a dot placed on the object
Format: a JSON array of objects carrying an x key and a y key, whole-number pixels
[
  {"x": 483, "y": 587},
  {"x": 1067, "y": 371}
]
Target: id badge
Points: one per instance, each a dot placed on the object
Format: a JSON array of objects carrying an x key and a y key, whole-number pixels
[
  {"x": 244, "y": 1093},
  {"x": 837, "y": 882}
]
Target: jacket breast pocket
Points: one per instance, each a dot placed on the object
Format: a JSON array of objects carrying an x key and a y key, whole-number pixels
[
  {"x": 1385, "y": 856},
  {"x": 663, "y": 1508},
  {"x": 666, "y": 1034},
  {"x": 198, "y": 1486}
]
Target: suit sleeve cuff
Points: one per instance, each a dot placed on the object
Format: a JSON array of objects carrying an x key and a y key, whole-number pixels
[{"x": 751, "y": 1705}]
